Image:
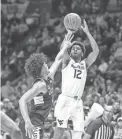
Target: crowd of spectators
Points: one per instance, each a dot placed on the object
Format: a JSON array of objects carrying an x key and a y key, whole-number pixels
[{"x": 104, "y": 81}]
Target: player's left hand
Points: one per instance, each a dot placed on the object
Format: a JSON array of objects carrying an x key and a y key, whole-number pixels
[
  {"x": 29, "y": 128},
  {"x": 85, "y": 27}
]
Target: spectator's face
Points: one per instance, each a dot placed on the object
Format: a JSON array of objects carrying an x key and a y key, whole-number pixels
[
  {"x": 96, "y": 99},
  {"x": 116, "y": 105},
  {"x": 10, "y": 105},
  {"x": 120, "y": 123},
  {"x": 102, "y": 100},
  {"x": 76, "y": 52},
  {"x": 110, "y": 88},
  {"x": 111, "y": 58},
  {"x": 108, "y": 113},
  {"x": 120, "y": 90}
]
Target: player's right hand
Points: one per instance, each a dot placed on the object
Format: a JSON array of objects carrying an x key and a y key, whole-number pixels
[
  {"x": 67, "y": 40},
  {"x": 29, "y": 128}
]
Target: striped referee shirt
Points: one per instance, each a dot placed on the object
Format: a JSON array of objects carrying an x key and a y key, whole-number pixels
[{"x": 98, "y": 129}]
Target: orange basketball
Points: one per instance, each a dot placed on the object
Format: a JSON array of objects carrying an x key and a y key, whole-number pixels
[{"x": 72, "y": 21}]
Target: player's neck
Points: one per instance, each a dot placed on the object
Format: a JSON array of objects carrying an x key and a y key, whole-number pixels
[{"x": 77, "y": 60}]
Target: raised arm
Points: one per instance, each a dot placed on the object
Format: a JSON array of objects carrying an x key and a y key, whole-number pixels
[
  {"x": 28, "y": 96},
  {"x": 95, "y": 49},
  {"x": 65, "y": 45},
  {"x": 63, "y": 55}
]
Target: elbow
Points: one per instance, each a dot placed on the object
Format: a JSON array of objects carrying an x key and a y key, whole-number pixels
[
  {"x": 21, "y": 102},
  {"x": 97, "y": 51}
]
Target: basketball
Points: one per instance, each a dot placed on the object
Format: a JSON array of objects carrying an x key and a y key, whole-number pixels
[{"x": 72, "y": 22}]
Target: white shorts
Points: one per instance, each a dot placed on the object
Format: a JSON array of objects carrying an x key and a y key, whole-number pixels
[{"x": 69, "y": 108}]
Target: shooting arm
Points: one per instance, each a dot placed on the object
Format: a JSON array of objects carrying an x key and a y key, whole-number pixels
[
  {"x": 29, "y": 95},
  {"x": 95, "y": 50}
]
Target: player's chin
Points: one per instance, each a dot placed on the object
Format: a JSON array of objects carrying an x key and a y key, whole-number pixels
[{"x": 74, "y": 56}]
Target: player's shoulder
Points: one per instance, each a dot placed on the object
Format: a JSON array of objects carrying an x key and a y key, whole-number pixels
[{"x": 39, "y": 84}]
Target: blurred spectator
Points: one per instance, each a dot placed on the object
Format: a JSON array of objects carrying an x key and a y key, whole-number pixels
[
  {"x": 48, "y": 131},
  {"x": 102, "y": 101},
  {"x": 9, "y": 109},
  {"x": 117, "y": 112},
  {"x": 22, "y": 28},
  {"x": 6, "y": 72},
  {"x": 118, "y": 129},
  {"x": 7, "y": 90},
  {"x": 103, "y": 67}
]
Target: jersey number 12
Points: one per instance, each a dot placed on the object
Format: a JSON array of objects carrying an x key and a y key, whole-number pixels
[{"x": 77, "y": 74}]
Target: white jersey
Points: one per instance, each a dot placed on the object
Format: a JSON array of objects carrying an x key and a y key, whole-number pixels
[{"x": 74, "y": 78}]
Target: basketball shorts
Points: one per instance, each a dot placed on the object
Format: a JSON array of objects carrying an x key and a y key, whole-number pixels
[
  {"x": 69, "y": 108},
  {"x": 38, "y": 133}
]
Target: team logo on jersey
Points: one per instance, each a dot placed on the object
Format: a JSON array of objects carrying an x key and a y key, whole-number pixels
[
  {"x": 78, "y": 66},
  {"x": 60, "y": 121}
]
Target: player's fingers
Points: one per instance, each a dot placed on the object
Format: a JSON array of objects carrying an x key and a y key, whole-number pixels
[
  {"x": 26, "y": 131},
  {"x": 29, "y": 133}
]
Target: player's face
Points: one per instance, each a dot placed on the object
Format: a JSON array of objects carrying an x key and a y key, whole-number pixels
[
  {"x": 76, "y": 52},
  {"x": 116, "y": 105}
]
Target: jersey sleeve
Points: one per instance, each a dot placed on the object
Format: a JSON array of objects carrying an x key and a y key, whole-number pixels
[{"x": 92, "y": 127}]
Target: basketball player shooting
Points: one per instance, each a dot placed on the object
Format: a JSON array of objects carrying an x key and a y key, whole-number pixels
[{"x": 74, "y": 73}]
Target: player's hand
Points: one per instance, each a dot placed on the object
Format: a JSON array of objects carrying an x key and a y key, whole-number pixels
[
  {"x": 29, "y": 128},
  {"x": 85, "y": 27},
  {"x": 67, "y": 40}
]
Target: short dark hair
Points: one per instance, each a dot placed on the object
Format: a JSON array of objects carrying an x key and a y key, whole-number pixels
[
  {"x": 34, "y": 63},
  {"x": 82, "y": 46}
]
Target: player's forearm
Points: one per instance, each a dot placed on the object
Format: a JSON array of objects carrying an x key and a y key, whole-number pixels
[
  {"x": 54, "y": 67},
  {"x": 24, "y": 109},
  {"x": 93, "y": 43}
]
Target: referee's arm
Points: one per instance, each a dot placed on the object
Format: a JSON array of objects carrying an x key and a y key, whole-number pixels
[
  {"x": 112, "y": 136},
  {"x": 90, "y": 130}
]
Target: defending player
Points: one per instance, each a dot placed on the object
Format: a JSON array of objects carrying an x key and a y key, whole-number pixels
[
  {"x": 10, "y": 127},
  {"x": 74, "y": 73},
  {"x": 40, "y": 94}
]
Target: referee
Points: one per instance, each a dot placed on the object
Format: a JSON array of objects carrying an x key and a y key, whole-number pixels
[{"x": 101, "y": 128}]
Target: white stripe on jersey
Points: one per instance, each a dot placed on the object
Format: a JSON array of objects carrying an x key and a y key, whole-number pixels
[{"x": 74, "y": 78}]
